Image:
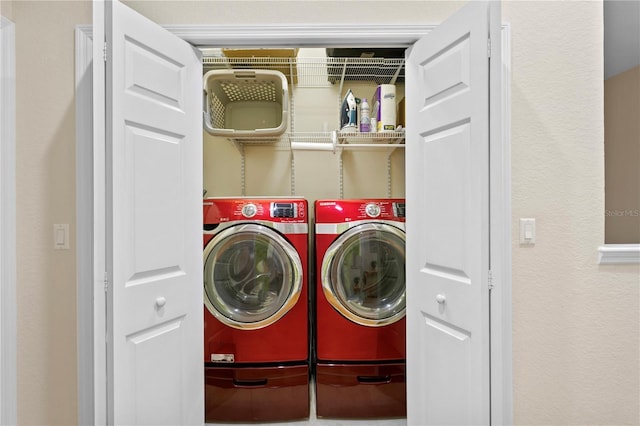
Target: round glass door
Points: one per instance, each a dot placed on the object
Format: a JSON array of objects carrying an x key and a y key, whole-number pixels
[
  {"x": 363, "y": 274},
  {"x": 252, "y": 276}
]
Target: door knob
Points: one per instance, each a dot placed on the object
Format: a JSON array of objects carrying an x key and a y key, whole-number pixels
[
  {"x": 160, "y": 302},
  {"x": 441, "y": 298}
]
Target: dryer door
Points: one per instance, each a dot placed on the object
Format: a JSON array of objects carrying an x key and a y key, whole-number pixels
[
  {"x": 252, "y": 276},
  {"x": 363, "y": 274}
]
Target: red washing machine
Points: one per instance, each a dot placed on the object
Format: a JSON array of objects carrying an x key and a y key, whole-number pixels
[
  {"x": 256, "y": 315},
  {"x": 360, "y": 308}
]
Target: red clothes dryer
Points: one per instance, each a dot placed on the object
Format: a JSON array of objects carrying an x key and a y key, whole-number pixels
[
  {"x": 360, "y": 308},
  {"x": 256, "y": 316}
]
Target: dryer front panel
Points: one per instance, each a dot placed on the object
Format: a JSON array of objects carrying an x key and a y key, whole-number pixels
[
  {"x": 252, "y": 276},
  {"x": 363, "y": 274}
]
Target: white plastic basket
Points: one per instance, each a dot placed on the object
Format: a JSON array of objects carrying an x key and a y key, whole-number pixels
[{"x": 246, "y": 103}]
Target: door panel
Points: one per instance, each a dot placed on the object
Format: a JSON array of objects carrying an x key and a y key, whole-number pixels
[
  {"x": 448, "y": 349},
  {"x": 160, "y": 344},
  {"x": 154, "y": 216}
]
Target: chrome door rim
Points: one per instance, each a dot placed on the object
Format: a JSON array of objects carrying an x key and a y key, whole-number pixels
[
  {"x": 328, "y": 269},
  {"x": 288, "y": 252}
]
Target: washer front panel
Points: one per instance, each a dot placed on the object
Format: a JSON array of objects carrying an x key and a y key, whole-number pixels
[
  {"x": 363, "y": 274},
  {"x": 252, "y": 276}
]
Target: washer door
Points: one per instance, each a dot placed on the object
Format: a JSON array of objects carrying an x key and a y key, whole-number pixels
[
  {"x": 252, "y": 276},
  {"x": 363, "y": 274}
]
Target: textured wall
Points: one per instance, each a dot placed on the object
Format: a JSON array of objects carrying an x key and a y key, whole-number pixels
[
  {"x": 6, "y": 9},
  {"x": 576, "y": 324},
  {"x": 46, "y": 284}
]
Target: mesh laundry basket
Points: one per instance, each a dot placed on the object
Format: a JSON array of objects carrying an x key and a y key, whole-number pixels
[{"x": 246, "y": 103}]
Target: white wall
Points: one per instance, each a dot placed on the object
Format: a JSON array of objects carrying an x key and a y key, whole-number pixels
[{"x": 576, "y": 324}]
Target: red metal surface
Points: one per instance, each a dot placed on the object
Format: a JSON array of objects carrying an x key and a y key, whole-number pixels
[
  {"x": 288, "y": 338},
  {"x": 361, "y": 390},
  {"x": 338, "y": 338},
  {"x": 283, "y": 341},
  {"x": 256, "y": 394}
]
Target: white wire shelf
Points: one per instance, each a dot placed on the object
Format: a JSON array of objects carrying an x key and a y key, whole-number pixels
[
  {"x": 281, "y": 141},
  {"x": 317, "y": 72},
  {"x": 335, "y": 140},
  {"x": 353, "y": 140},
  {"x": 328, "y": 141}
]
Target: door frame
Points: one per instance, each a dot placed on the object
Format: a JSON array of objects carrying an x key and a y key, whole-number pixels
[
  {"x": 90, "y": 196},
  {"x": 8, "y": 326}
]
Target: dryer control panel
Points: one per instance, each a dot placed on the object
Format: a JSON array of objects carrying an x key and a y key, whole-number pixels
[
  {"x": 398, "y": 209},
  {"x": 374, "y": 210},
  {"x": 341, "y": 211}
]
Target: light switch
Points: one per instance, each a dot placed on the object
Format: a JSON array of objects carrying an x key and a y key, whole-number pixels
[
  {"x": 527, "y": 231},
  {"x": 61, "y": 236}
]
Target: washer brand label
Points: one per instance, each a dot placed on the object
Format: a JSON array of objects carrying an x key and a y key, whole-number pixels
[
  {"x": 328, "y": 203},
  {"x": 227, "y": 358}
]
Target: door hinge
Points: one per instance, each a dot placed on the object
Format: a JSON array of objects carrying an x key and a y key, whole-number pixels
[
  {"x": 490, "y": 280},
  {"x": 488, "y": 47},
  {"x": 106, "y": 282},
  {"x": 104, "y": 52}
]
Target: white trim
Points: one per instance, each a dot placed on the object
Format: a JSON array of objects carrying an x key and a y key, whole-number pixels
[
  {"x": 501, "y": 312},
  {"x": 619, "y": 254},
  {"x": 309, "y": 36},
  {"x": 291, "y": 35},
  {"x": 8, "y": 361},
  {"x": 84, "y": 226},
  {"x": 90, "y": 200}
]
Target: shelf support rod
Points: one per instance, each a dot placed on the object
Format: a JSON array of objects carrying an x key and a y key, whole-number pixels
[
  {"x": 341, "y": 176},
  {"x": 242, "y": 171},
  {"x": 389, "y": 175},
  {"x": 334, "y": 142},
  {"x": 292, "y": 129},
  {"x": 293, "y": 172}
]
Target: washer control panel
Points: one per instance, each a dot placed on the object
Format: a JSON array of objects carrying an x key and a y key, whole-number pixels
[
  {"x": 287, "y": 210},
  {"x": 273, "y": 210},
  {"x": 249, "y": 210}
]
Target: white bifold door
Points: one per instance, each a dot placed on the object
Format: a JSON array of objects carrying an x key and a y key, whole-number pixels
[
  {"x": 153, "y": 180},
  {"x": 447, "y": 183}
]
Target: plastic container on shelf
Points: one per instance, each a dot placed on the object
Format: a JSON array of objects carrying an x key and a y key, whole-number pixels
[
  {"x": 246, "y": 103},
  {"x": 365, "y": 117},
  {"x": 384, "y": 101}
]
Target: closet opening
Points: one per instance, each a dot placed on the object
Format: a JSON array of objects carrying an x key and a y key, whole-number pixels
[{"x": 290, "y": 126}]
